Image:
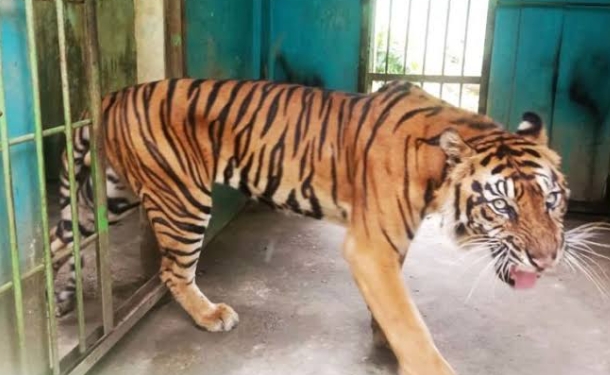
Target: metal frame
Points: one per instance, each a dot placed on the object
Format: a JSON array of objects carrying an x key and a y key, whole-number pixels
[
  {"x": 115, "y": 323},
  {"x": 368, "y": 76}
]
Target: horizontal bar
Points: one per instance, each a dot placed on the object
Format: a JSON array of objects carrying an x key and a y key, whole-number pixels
[
  {"x": 424, "y": 78},
  {"x": 128, "y": 315},
  {"x": 46, "y": 132},
  {"x": 26, "y": 275},
  {"x": 67, "y": 1},
  {"x": 554, "y": 4}
]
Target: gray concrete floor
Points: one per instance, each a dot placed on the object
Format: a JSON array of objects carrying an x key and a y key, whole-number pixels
[{"x": 302, "y": 314}]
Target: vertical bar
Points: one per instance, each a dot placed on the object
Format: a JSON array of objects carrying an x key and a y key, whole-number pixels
[
  {"x": 38, "y": 139},
  {"x": 12, "y": 230},
  {"x": 489, "y": 37},
  {"x": 174, "y": 38},
  {"x": 407, "y": 38},
  {"x": 61, "y": 31},
  {"x": 92, "y": 67},
  {"x": 257, "y": 38},
  {"x": 387, "y": 47},
  {"x": 445, "y": 43},
  {"x": 423, "y": 69},
  {"x": 365, "y": 46},
  {"x": 464, "y": 51}
]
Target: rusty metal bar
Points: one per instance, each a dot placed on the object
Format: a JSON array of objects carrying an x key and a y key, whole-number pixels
[
  {"x": 98, "y": 165},
  {"x": 174, "y": 39}
]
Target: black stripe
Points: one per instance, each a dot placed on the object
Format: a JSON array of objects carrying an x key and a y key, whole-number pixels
[
  {"x": 272, "y": 112},
  {"x": 259, "y": 166},
  {"x": 404, "y": 220},
  {"x": 387, "y": 238},
  {"x": 407, "y": 116},
  {"x": 333, "y": 172}
]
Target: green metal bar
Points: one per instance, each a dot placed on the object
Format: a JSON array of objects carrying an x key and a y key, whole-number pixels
[
  {"x": 487, "y": 49},
  {"x": 464, "y": 50},
  {"x": 65, "y": 87},
  {"x": 365, "y": 46},
  {"x": 427, "y": 78},
  {"x": 12, "y": 230},
  {"x": 46, "y": 132},
  {"x": 98, "y": 165}
]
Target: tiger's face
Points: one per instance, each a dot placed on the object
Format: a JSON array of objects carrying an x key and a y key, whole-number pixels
[{"x": 508, "y": 194}]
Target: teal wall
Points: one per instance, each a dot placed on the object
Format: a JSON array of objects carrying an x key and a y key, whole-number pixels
[
  {"x": 555, "y": 59},
  {"x": 318, "y": 37},
  {"x": 19, "y": 114},
  {"x": 20, "y": 119},
  {"x": 239, "y": 39}
]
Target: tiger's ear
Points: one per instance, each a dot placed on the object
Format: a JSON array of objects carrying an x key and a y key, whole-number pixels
[
  {"x": 454, "y": 146},
  {"x": 532, "y": 128}
]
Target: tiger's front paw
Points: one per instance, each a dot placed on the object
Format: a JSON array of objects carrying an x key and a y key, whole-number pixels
[{"x": 221, "y": 318}]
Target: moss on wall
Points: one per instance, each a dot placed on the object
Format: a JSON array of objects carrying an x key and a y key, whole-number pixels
[{"x": 117, "y": 55}]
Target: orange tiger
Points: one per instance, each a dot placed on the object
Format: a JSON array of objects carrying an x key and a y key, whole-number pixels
[{"x": 377, "y": 163}]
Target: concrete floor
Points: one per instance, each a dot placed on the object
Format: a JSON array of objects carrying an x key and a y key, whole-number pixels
[{"x": 302, "y": 314}]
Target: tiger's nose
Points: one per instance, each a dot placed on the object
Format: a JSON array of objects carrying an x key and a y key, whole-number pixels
[{"x": 543, "y": 262}]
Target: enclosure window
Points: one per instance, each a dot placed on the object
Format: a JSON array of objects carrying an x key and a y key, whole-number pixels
[{"x": 438, "y": 44}]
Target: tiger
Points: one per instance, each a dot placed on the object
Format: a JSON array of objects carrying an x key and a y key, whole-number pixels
[{"x": 376, "y": 163}]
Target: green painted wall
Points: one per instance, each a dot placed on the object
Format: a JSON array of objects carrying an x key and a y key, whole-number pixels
[{"x": 555, "y": 60}]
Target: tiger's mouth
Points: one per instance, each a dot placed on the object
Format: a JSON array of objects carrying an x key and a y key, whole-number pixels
[{"x": 521, "y": 278}]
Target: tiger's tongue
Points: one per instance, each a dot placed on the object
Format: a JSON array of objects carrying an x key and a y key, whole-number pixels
[{"x": 523, "y": 279}]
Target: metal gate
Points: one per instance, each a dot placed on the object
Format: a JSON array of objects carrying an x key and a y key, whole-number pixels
[
  {"x": 443, "y": 45},
  {"x": 92, "y": 342}
]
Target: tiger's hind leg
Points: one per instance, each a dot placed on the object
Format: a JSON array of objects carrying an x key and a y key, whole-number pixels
[{"x": 180, "y": 236}]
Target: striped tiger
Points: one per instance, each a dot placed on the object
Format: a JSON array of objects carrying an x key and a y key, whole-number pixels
[{"x": 376, "y": 163}]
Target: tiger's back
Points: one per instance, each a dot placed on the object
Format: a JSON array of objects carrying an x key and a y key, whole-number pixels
[{"x": 277, "y": 142}]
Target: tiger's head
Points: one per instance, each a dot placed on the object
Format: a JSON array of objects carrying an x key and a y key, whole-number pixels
[{"x": 505, "y": 191}]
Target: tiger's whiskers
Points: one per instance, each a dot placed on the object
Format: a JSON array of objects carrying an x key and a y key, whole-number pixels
[{"x": 580, "y": 254}]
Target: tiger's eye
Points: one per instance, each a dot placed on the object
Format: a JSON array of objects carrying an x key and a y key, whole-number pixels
[
  {"x": 552, "y": 199},
  {"x": 499, "y": 204}
]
